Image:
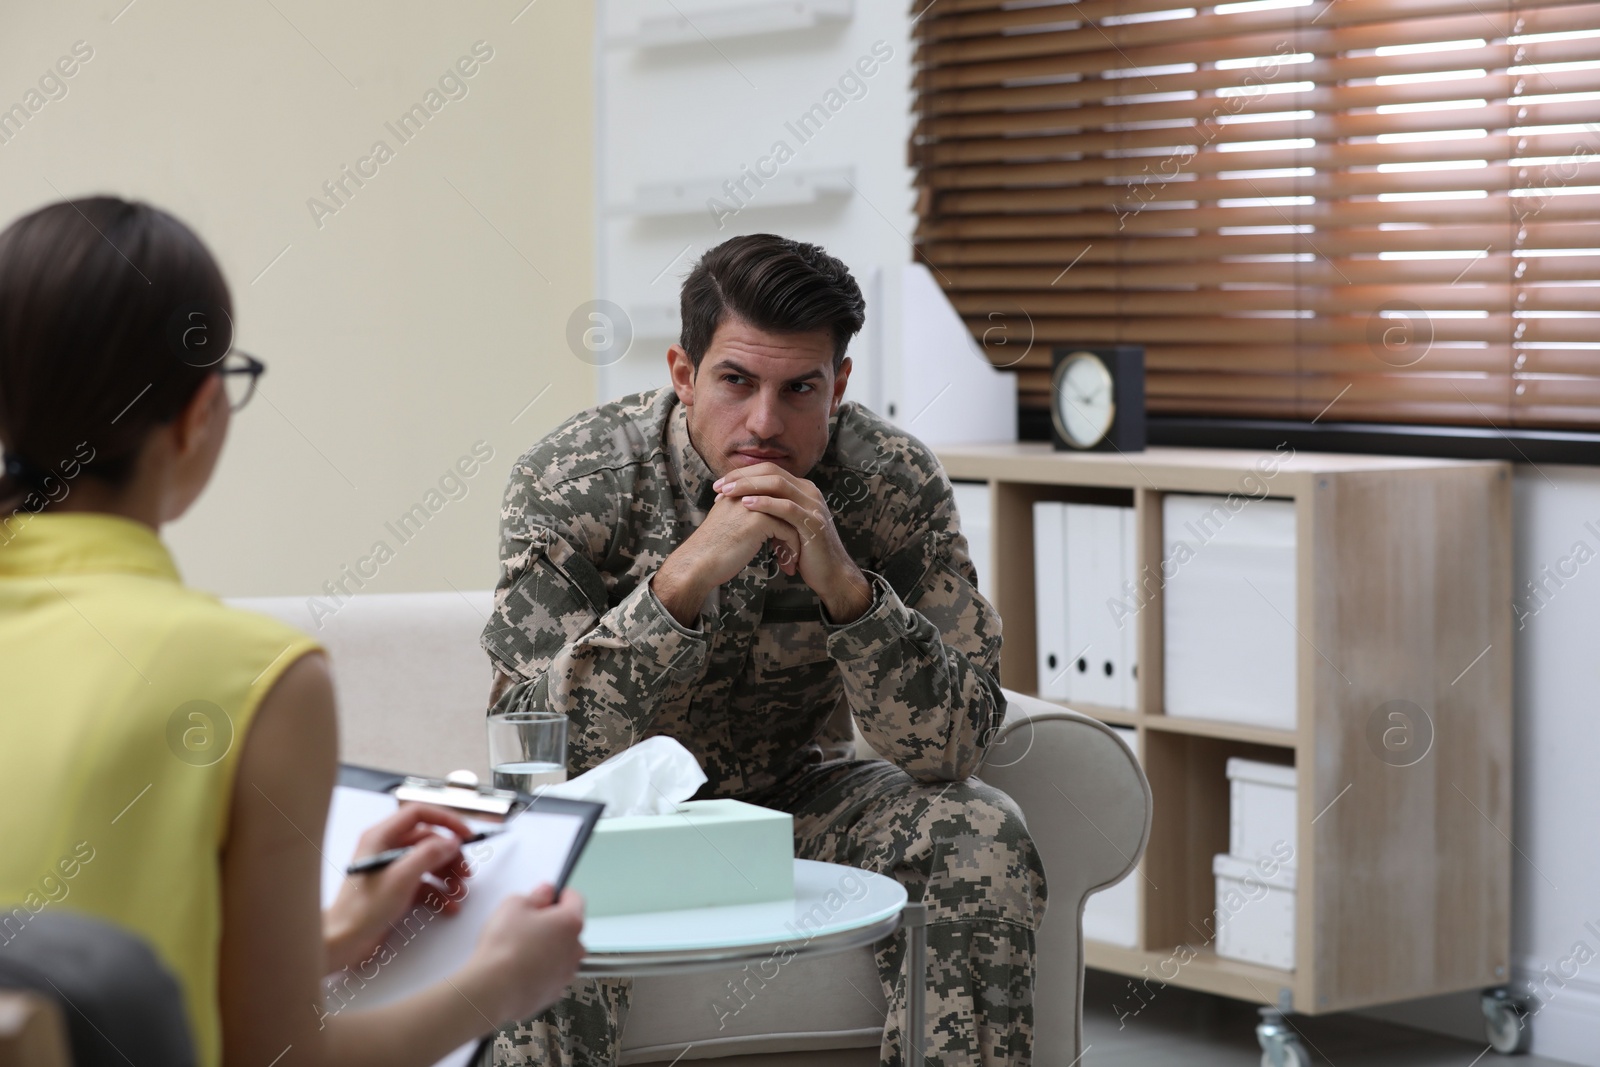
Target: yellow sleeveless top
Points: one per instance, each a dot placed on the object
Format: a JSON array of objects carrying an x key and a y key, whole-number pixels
[{"x": 125, "y": 699}]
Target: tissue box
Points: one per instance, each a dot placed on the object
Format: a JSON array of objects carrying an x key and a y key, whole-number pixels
[{"x": 708, "y": 853}]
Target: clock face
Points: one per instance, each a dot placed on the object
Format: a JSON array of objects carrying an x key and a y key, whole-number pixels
[{"x": 1081, "y": 401}]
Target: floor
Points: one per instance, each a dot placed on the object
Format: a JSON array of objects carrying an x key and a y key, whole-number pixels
[{"x": 1184, "y": 1029}]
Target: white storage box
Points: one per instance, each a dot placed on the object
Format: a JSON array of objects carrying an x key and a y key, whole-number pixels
[
  {"x": 1262, "y": 812},
  {"x": 1111, "y": 914},
  {"x": 1255, "y": 911},
  {"x": 1229, "y": 609}
]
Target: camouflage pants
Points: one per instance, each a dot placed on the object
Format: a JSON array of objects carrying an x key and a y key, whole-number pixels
[{"x": 960, "y": 847}]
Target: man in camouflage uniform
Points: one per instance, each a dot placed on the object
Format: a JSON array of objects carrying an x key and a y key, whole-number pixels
[{"x": 743, "y": 562}]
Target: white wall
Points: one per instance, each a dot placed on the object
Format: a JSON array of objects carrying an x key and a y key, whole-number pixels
[
  {"x": 417, "y": 320},
  {"x": 1556, "y": 891},
  {"x": 706, "y": 110}
]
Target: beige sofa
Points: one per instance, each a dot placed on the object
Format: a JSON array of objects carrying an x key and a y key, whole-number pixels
[{"x": 412, "y": 688}]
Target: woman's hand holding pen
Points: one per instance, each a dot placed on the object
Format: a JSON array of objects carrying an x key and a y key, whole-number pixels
[
  {"x": 359, "y": 919},
  {"x": 528, "y": 952}
]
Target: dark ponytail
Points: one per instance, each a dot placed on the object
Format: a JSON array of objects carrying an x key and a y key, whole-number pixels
[{"x": 112, "y": 315}]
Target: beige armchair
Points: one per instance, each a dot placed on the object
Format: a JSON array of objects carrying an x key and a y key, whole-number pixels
[{"x": 412, "y": 686}]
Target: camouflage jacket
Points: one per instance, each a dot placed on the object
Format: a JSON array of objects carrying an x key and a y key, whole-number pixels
[{"x": 765, "y": 684}]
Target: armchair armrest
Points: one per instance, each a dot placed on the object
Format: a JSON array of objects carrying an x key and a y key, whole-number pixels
[{"x": 1087, "y": 805}]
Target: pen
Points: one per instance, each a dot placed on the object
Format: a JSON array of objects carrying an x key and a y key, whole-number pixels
[{"x": 378, "y": 861}]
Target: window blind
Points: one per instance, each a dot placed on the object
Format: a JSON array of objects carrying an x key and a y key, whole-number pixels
[{"x": 1357, "y": 210}]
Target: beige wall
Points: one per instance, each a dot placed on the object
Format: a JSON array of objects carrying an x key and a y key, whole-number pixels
[{"x": 418, "y": 319}]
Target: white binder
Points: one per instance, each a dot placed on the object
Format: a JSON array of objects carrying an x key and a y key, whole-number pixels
[
  {"x": 1094, "y": 572},
  {"x": 1126, "y": 617},
  {"x": 1050, "y": 599},
  {"x": 1111, "y": 915}
]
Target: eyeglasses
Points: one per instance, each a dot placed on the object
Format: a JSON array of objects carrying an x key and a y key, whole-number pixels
[{"x": 239, "y": 372}]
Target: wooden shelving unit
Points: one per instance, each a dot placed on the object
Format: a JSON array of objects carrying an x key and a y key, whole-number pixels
[{"x": 1403, "y": 592}]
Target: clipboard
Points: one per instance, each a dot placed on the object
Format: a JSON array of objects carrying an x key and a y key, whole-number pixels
[
  {"x": 421, "y": 951},
  {"x": 477, "y": 803}
]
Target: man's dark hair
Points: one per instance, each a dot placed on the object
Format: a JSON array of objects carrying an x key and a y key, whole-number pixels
[{"x": 774, "y": 284}]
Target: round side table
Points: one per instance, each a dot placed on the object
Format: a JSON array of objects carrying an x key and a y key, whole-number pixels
[{"x": 835, "y": 908}]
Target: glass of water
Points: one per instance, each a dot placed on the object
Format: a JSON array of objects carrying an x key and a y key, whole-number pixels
[{"x": 528, "y": 749}]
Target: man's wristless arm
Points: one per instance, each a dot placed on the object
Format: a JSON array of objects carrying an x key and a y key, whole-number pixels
[
  {"x": 675, "y": 586},
  {"x": 853, "y": 600}
]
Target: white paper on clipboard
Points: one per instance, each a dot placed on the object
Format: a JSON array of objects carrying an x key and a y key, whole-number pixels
[{"x": 425, "y": 947}]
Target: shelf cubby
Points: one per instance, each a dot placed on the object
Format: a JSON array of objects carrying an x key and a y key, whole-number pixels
[{"x": 1188, "y": 826}]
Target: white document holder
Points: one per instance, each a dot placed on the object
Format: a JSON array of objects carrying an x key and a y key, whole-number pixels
[
  {"x": 1111, "y": 915},
  {"x": 1126, "y": 617},
  {"x": 1056, "y": 670},
  {"x": 1094, "y": 574}
]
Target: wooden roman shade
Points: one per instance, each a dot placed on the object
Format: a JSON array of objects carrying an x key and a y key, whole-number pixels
[{"x": 1373, "y": 210}]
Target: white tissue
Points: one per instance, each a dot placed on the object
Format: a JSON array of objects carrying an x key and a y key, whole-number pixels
[{"x": 651, "y": 778}]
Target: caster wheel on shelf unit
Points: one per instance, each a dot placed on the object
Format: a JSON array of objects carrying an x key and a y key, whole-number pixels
[
  {"x": 1280, "y": 1045},
  {"x": 1506, "y": 1022},
  {"x": 1294, "y": 1055}
]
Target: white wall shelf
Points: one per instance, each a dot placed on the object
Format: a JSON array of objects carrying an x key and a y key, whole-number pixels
[
  {"x": 741, "y": 20},
  {"x": 693, "y": 196},
  {"x": 655, "y": 321}
]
